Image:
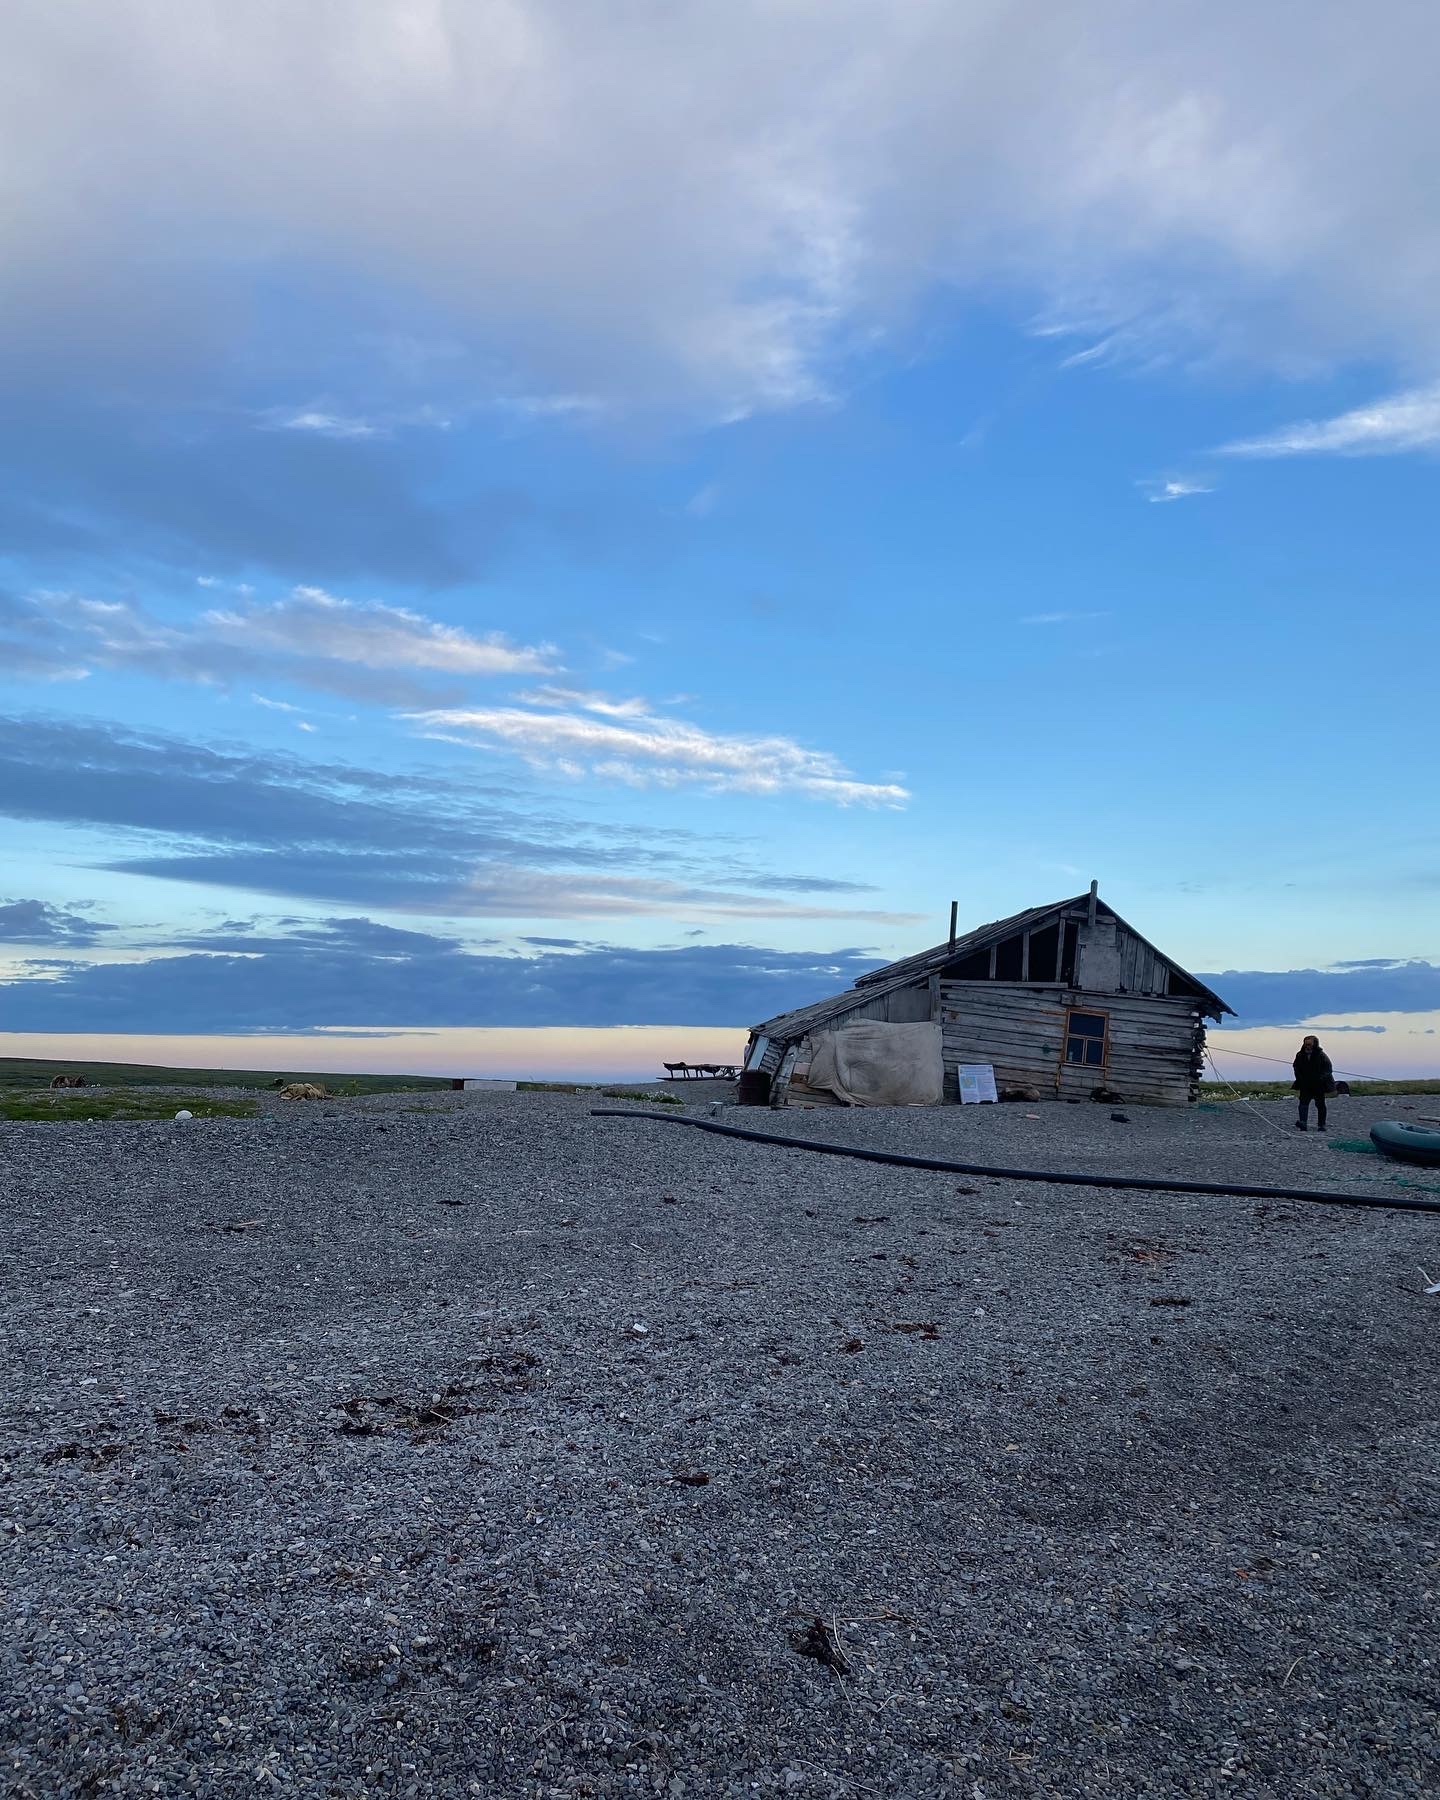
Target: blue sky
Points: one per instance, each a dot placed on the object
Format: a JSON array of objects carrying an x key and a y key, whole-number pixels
[{"x": 514, "y": 517}]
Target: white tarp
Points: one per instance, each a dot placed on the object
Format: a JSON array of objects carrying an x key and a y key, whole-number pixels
[{"x": 871, "y": 1064}]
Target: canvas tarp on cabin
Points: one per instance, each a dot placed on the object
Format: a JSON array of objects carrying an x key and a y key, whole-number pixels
[{"x": 873, "y": 1064}]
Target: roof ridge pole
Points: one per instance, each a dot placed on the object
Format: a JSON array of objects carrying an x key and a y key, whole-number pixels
[
  {"x": 1094, "y": 897},
  {"x": 954, "y": 916}
]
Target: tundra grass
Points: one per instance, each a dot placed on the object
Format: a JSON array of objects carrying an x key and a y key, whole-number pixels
[
  {"x": 1284, "y": 1090},
  {"x": 27, "y": 1072},
  {"x": 72, "y": 1105}
]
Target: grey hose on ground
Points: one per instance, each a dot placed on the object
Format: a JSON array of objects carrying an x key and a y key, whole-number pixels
[{"x": 1144, "y": 1182}]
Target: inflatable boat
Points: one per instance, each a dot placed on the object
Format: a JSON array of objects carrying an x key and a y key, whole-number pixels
[{"x": 1413, "y": 1143}]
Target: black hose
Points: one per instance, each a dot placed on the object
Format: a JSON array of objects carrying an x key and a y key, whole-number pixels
[{"x": 1064, "y": 1180}]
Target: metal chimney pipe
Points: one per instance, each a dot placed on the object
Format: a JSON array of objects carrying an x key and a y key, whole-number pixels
[
  {"x": 1094, "y": 895},
  {"x": 954, "y": 915}
]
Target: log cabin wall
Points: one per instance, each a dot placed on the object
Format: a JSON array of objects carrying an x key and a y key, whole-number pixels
[{"x": 1149, "y": 1042}]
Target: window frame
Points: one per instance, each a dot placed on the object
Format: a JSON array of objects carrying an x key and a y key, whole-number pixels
[{"x": 1086, "y": 1038}]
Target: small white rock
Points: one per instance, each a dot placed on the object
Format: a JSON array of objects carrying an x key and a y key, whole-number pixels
[
  {"x": 182, "y": 1114},
  {"x": 640, "y": 1330}
]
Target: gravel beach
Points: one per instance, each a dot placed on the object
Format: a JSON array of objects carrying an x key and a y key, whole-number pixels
[{"x": 467, "y": 1444}]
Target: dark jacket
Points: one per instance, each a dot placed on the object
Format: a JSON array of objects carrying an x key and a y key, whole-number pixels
[{"x": 1313, "y": 1073}]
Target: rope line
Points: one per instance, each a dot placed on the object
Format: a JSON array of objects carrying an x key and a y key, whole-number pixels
[
  {"x": 1281, "y": 1062},
  {"x": 1235, "y": 1094}
]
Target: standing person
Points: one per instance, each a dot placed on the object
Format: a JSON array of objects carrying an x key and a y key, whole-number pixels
[{"x": 1314, "y": 1079}]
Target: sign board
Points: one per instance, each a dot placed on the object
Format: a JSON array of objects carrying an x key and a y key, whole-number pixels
[{"x": 977, "y": 1083}]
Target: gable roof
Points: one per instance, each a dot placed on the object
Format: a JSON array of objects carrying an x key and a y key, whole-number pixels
[
  {"x": 880, "y": 982},
  {"x": 981, "y": 938},
  {"x": 820, "y": 1012}
]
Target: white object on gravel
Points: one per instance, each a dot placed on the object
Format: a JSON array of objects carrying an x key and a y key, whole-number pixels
[{"x": 182, "y": 1114}]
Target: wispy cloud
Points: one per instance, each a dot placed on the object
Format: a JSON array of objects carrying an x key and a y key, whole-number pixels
[
  {"x": 277, "y": 823},
  {"x": 642, "y": 750},
  {"x": 606, "y": 705},
  {"x": 1181, "y": 488},
  {"x": 1407, "y": 421},
  {"x": 517, "y": 893},
  {"x": 362, "y": 650},
  {"x": 1062, "y": 618},
  {"x": 325, "y": 424},
  {"x": 311, "y": 622}
]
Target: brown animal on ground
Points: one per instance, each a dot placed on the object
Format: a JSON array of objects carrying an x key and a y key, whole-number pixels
[
  {"x": 67, "y": 1081},
  {"x": 304, "y": 1090}
]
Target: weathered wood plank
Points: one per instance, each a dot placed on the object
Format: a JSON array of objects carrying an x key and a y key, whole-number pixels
[
  {"x": 1044, "y": 1047},
  {"x": 1006, "y": 995}
]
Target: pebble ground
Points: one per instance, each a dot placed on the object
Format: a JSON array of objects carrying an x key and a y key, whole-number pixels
[{"x": 450, "y": 1445}]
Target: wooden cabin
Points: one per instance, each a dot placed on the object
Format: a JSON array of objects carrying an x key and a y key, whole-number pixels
[{"x": 1065, "y": 999}]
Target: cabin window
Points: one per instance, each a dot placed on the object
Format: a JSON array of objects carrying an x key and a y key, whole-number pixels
[{"x": 1085, "y": 1039}]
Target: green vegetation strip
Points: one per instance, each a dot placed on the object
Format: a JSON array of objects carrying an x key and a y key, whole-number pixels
[
  {"x": 25, "y": 1072},
  {"x": 76, "y": 1105}
]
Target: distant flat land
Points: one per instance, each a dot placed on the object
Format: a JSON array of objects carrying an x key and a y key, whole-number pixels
[
  {"x": 26, "y": 1072},
  {"x": 1277, "y": 1090}
]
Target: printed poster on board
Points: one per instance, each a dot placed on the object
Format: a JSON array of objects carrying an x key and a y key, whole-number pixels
[{"x": 977, "y": 1083}]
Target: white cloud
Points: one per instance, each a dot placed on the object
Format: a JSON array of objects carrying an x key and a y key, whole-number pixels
[
  {"x": 500, "y": 890},
  {"x": 311, "y": 639},
  {"x": 275, "y": 705},
  {"x": 311, "y": 622},
  {"x": 641, "y": 750},
  {"x": 327, "y": 424},
  {"x": 588, "y": 701},
  {"x": 1409, "y": 421},
  {"x": 1159, "y": 493},
  {"x": 715, "y": 205},
  {"x": 1062, "y": 618}
]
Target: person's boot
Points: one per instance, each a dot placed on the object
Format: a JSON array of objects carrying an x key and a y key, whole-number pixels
[{"x": 1300, "y": 1125}]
